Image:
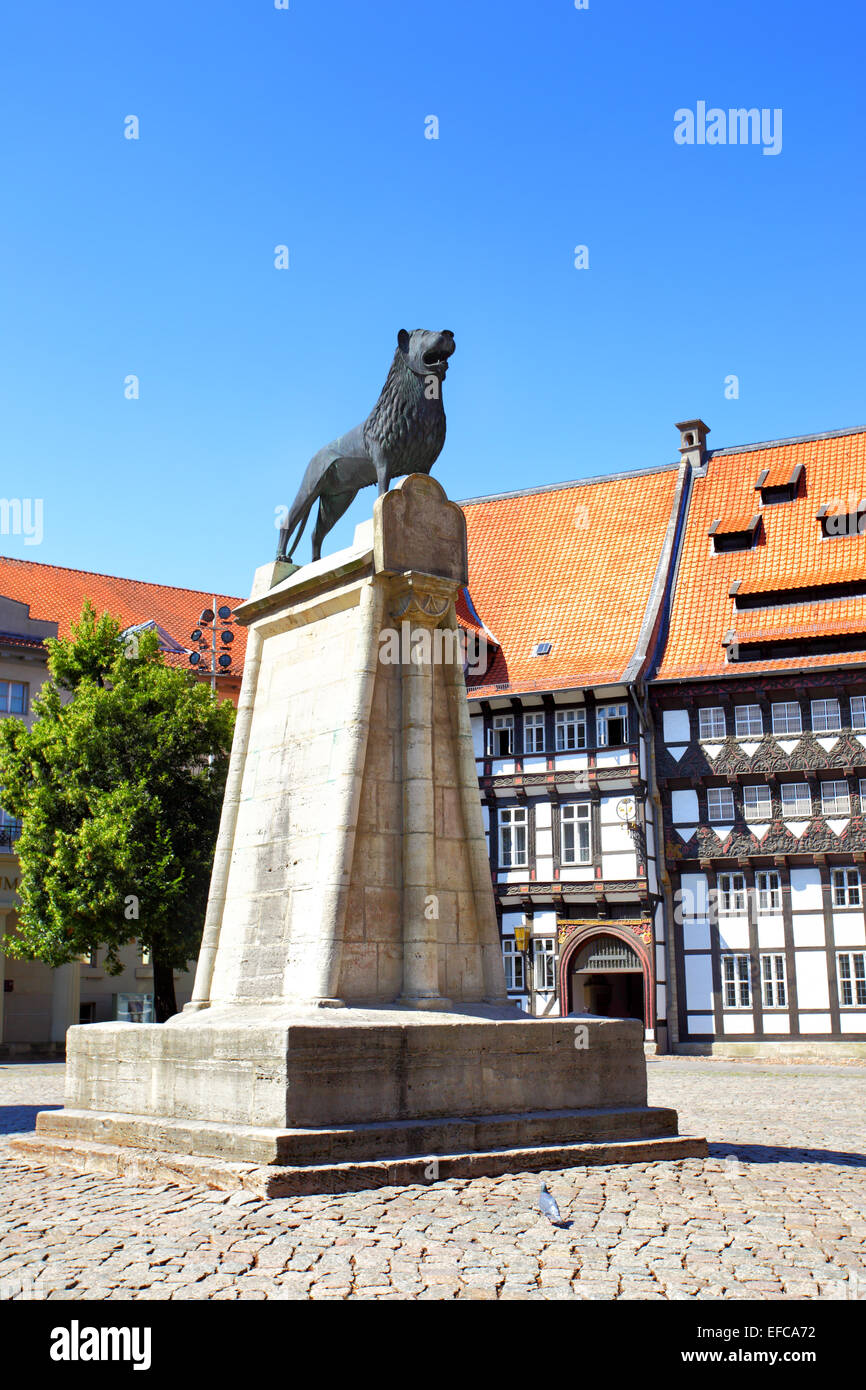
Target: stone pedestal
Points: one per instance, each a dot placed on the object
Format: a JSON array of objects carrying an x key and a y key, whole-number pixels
[{"x": 350, "y": 1011}]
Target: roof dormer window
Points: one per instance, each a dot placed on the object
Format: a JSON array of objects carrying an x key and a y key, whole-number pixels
[
  {"x": 779, "y": 483},
  {"x": 838, "y": 521},
  {"x": 735, "y": 533}
]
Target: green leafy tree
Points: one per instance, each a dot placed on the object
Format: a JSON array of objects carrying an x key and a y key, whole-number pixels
[{"x": 119, "y": 785}]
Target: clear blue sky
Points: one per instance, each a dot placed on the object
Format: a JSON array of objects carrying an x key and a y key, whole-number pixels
[{"x": 260, "y": 127}]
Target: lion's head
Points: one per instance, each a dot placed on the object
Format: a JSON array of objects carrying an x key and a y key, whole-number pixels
[{"x": 426, "y": 353}]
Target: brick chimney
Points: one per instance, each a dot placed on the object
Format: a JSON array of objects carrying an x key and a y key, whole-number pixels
[{"x": 693, "y": 444}]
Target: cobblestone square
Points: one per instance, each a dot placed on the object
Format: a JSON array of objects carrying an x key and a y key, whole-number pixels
[{"x": 778, "y": 1211}]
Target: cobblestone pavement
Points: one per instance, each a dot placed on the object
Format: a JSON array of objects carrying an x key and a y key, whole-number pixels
[{"x": 778, "y": 1211}]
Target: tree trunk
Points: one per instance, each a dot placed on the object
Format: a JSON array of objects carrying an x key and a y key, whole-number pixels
[{"x": 165, "y": 1004}]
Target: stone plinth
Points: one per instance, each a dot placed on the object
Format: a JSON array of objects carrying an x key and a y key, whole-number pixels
[{"x": 350, "y": 1004}]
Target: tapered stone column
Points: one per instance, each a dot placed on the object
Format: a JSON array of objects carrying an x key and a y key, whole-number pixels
[{"x": 421, "y": 604}]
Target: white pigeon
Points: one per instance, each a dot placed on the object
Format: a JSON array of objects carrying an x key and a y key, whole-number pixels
[{"x": 549, "y": 1208}]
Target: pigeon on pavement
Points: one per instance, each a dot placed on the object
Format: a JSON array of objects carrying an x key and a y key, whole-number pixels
[{"x": 549, "y": 1207}]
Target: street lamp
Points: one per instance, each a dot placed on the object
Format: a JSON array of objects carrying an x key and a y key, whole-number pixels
[{"x": 213, "y": 631}]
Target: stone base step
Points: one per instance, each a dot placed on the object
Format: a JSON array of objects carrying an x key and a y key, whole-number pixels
[
  {"x": 113, "y": 1160},
  {"x": 382, "y": 1141}
]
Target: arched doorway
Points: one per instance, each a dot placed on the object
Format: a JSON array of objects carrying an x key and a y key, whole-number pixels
[{"x": 606, "y": 977}]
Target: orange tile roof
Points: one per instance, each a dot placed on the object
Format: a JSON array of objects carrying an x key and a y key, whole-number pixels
[
  {"x": 57, "y": 595},
  {"x": 571, "y": 565},
  {"x": 791, "y": 552}
]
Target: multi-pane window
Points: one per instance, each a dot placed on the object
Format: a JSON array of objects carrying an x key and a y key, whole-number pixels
[
  {"x": 732, "y": 893},
  {"x": 863, "y": 796},
  {"x": 570, "y": 729},
  {"x": 13, "y": 697},
  {"x": 757, "y": 802},
  {"x": 858, "y": 711},
  {"x": 773, "y": 983},
  {"x": 796, "y": 799},
  {"x": 768, "y": 885},
  {"x": 826, "y": 716},
  {"x": 845, "y": 885},
  {"x": 852, "y": 977},
  {"x": 500, "y": 736},
  {"x": 574, "y": 823},
  {"x": 533, "y": 733},
  {"x": 736, "y": 982},
  {"x": 711, "y": 722},
  {"x": 720, "y": 803},
  {"x": 513, "y": 837},
  {"x": 787, "y": 718},
  {"x": 544, "y": 962},
  {"x": 612, "y": 721},
  {"x": 748, "y": 721},
  {"x": 10, "y": 828},
  {"x": 513, "y": 961},
  {"x": 835, "y": 800}
]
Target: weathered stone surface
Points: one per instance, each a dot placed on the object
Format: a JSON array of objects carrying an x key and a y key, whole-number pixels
[{"x": 350, "y": 973}]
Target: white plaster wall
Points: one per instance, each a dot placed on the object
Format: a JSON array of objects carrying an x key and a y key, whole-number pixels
[
  {"x": 740, "y": 1021},
  {"x": 771, "y": 932},
  {"x": 684, "y": 807},
  {"x": 477, "y": 723},
  {"x": 694, "y": 895},
  {"x": 699, "y": 982},
  {"x": 813, "y": 990},
  {"x": 734, "y": 933},
  {"x": 808, "y": 929},
  {"x": 543, "y": 818},
  {"x": 675, "y": 725},
  {"x": 849, "y": 929},
  {"x": 805, "y": 890}
]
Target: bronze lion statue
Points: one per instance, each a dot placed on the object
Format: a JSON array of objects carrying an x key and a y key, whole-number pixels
[{"x": 403, "y": 433}]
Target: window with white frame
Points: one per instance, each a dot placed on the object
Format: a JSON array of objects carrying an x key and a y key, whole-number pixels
[
  {"x": 757, "y": 802},
  {"x": 863, "y": 796},
  {"x": 768, "y": 887},
  {"x": 796, "y": 799},
  {"x": 835, "y": 800},
  {"x": 512, "y": 959},
  {"x": 533, "y": 732},
  {"x": 612, "y": 722},
  {"x": 13, "y": 697},
  {"x": 774, "y": 986},
  {"x": 500, "y": 736},
  {"x": 845, "y": 886},
  {"x": 513, "y": 852},
  {"x": 731, "y": 890},
  {"x": 736, "y": 982},
  {"x": 711, "y": 722},
  {"x": 544, "y": 962},
  {"x": 720, "y": 803},
  {"x": 748, "y": 721},
  {"x": 851, "y": 966},
  {"x": 787, "y": 717},
  {"x": 570, "y": 729},
  {"x": 858, "y": 711},
  {"x": 826, "y": 716},
  {"x": 575, "y": 834}
]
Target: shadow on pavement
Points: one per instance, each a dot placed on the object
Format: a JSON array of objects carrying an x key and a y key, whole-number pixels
[
  {"x": 21, "y": 1119},
  {"x": 771, "y": 1153}
]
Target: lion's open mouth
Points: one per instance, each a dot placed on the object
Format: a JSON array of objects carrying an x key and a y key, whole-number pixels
[{"x": 435, "y": 357}]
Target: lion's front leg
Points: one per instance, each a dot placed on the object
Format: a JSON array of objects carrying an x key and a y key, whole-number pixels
[{"x": 377, "y": 458}]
